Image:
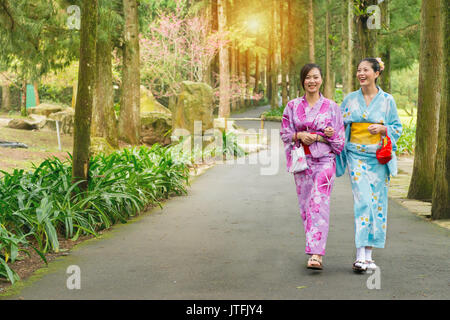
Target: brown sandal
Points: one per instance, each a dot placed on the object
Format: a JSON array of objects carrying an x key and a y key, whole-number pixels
[{"x": 315, "y": 267}]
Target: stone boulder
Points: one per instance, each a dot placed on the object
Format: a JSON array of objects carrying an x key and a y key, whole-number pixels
[
  {"x": 4, "y": 122},
  {"x": 150, "y": 104},
  {"x": 194, "y": 103},
  {"x": 45, "y": 109},
  {"x": 156, "y": 128},
  {"x": 39, "y": 120},
  {"x": 22, "y": 124},
  {"x": 65, "y": 118}
]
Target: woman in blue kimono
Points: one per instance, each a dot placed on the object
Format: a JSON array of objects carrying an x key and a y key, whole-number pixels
[{"x": 369, "y": 115}]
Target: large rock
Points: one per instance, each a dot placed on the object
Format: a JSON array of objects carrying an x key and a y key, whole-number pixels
[
  {"x": 194, "y": 103},
  {"x": 39, "y": 120},
  {"x": 150, "y": 104},
  {"x": 65, "y": 118},
  {"x": 22, "y": 124},
  {"x": 45, "y": 109},
  {"x": 156, "y": 127},
  {"x": 4, "y": 122}
]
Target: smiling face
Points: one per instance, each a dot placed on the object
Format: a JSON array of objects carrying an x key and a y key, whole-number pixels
[
  {"x": 313, "y": 81},
  {"x": 366, "y": 75}
]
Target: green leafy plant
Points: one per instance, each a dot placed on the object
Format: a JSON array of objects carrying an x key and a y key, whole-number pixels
[
  {"x": 42, "y": 205},
  {"x": 277, "y": 112},
  {"x": 230, "y": 145},
  {"x": 406, "y": 142}
]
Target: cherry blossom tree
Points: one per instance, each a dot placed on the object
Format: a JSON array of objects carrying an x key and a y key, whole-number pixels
[{"x": 176, "y": 48}]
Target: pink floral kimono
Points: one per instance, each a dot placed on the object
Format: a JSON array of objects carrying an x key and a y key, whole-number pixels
[{"x": 314, "y": 184}]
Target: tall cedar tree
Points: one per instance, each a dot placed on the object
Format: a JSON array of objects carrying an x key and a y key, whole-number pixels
[
  {"x": 224, "y": 90},
  {"x": 129, "y": 119},
  {"x": 430, "y": 71},
  {"x": 104, "y": 122},
  {"x": 86, "y": 90},
  {"x": 441, "y": 200}
]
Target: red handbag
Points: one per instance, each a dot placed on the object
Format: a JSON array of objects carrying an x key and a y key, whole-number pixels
[{"x": 384, "y": 155}]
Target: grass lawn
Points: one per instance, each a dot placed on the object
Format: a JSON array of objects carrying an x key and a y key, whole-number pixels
[{"x": 41, "y": 145}]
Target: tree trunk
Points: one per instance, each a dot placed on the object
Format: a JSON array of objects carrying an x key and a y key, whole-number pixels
[
  {"x": 238, "y": 79},
  {"x": 247, "y": 78},
  {"x": 257, "y": 74},
  {"x": 441, "y": 201},
  {"x": 274, "y": 69},
  {"x": 224, "y": 104},
  {"x": 104, "y": 123},
  {"x": 233, "y": 77},
  {"x": 347, "y": 47},
  {"x": 430, "y": 72},
  {"x": 129, "y": 120},
  {"x": 268, "y": 77},
  {"x": 367, "y": 38},
  {"x": 36, "y": 92},
  {"x": 6, "y": 100},
  {"x": 351, "y": 68},
  {"x": 284, "y": 58},
  {"x": 329, "y": 76},
  {"x": 23, "y": 100},
  {"x": 86, "y": 88},
  {"x": 385, "y": 80},
  {"x": 242, "y": 79},
  {"x": 74, "y": 94},
  {"x": 312, "y": 54},
  {"x": 292, "y": 78}
]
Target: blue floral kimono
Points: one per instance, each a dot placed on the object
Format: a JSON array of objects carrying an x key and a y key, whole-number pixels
[{"x": 369, "y": 178}]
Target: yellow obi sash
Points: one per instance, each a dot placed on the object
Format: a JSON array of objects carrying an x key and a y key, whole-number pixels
[{"x": 360, "y": 134}]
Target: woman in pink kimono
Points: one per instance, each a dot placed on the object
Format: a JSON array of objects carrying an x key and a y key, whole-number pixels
[{"x": 315, "y": 122}]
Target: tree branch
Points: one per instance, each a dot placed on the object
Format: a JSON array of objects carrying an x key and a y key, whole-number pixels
[{"x": 5, "y": 7}]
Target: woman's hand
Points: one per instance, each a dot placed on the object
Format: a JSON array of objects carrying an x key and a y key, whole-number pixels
[
  {"x": 307, "y": 138},
  {"x": 329, "y": 132},
  {"x": 376, "y": 129}
]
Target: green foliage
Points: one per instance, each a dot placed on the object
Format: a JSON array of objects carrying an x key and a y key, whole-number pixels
[
  {"x": 406, "y": 143},
  {"x": 150, "y": 9},
  {"x": 263, "y": 102},
  {"x": 277, "y": 112},
  {"x": 404, "y": 33},
  {"x": 34, "y": 38},
  {"x": 338, "y": 96},
  {"x": 405, "y": 88},
  {"x": 230, "y": 145},
  {"x": 42, "y": 205},
  {"x": 60, "y": 95}
]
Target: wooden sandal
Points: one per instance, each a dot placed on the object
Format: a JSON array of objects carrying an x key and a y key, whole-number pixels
[
  {"x": 371, "y": 265},
  {"x": 315, "y": 267},
  {"x": 361, "y": 268}
]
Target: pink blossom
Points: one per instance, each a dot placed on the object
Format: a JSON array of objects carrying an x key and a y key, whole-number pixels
[
  {"x": 325, "y": 181},
  {"x": 317, "y": 236}
]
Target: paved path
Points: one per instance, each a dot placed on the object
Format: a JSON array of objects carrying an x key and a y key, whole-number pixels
[{"x": 238, "y": 235}]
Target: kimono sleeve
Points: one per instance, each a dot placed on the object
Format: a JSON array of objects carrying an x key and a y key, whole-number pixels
[
  {"x": 393, "y": 124},
  {"x": 341, "y": 159},
  {"x": 287, "y": 131},
  {"x": 337, "y": 141},
  {"x": 287, "y": 124}
]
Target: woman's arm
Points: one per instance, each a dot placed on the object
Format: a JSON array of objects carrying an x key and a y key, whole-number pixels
[{"x": 337, "y": 140}]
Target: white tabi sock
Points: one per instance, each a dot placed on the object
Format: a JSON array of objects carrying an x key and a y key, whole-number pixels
[
  {"x": 361, "y": 254},
  {"x": 368, "y": 254}
]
